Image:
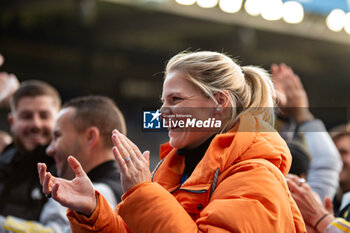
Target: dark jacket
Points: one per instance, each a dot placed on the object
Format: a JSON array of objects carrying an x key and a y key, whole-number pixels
[
  {"x": 20, "y": 190},
  {"x": 108, "y": 173}
]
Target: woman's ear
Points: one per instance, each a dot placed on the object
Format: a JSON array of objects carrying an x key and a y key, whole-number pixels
[{"x": 222, "y": 98}]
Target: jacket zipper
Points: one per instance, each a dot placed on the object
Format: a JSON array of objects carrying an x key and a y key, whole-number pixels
[
  {"x": 189, "y": 190},
  {"x": 194, "y": 191}
]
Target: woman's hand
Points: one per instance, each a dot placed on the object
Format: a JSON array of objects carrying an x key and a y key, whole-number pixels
[
  {"x": 133, "y": 165},
  {"x": 77, "y": 194}
]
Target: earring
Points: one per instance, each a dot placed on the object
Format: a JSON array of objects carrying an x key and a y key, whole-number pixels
[{"x": 218, "y": 109}]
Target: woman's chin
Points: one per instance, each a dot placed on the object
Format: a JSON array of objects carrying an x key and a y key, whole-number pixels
[{"x": 175, "y": 141}]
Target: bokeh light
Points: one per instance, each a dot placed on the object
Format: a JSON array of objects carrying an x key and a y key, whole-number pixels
[
  {"x": 336, "y": 20},
  {"x": 272, "y": 9},
  {"x": 230, "y": 6},
  {"x": 347, "y": 23},
  {"x": 186, "y": 2},
  {"x": 293, "y": 12},
  {"x": 207, "y": 3},
  {"x": 252, "y": 7}
]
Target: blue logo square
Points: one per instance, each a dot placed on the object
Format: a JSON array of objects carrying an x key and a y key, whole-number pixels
[{"x": 151, "y": 119}]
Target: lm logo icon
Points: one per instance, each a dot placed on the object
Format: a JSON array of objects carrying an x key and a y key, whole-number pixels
[{"x": 151, "y": 119}]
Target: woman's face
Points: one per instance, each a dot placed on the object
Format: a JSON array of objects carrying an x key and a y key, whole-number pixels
[{"x": 183, "y": 101}]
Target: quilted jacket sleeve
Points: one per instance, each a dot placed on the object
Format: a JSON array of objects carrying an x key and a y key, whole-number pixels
[{"x": 103, "y": 219}]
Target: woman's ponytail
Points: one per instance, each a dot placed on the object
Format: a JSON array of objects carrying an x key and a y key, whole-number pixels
[{"x": 260, "y": 93}]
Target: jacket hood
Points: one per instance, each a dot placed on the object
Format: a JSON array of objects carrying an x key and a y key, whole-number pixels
[{"x": 253, "y": 138}]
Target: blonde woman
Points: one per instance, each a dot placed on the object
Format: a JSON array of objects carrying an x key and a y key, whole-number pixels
[{"x": 228, "y": 178}]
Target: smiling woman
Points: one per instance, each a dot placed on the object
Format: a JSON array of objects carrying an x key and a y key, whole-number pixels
[{"x": 226, "y": 179}]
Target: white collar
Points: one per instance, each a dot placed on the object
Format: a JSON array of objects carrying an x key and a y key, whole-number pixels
[{"x": 345, "y": 200}]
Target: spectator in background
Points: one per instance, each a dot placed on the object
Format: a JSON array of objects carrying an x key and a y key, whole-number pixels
[
  {"x": 227, "y": 178},
  {"x": 301, "y": 158},
  {"x": 318, "y": 218},
  {"x": 325, "y": 163},
  {"x": 83, "y": 129},
  {"x": 34, "y": 107},
  {"x": 341, "y": 137}
]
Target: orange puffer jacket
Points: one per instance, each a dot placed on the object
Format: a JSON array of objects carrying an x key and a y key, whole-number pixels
[{"x": 238, "y": 186}]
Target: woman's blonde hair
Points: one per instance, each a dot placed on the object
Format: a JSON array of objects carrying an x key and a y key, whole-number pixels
[{"x": 248, "y": 88}]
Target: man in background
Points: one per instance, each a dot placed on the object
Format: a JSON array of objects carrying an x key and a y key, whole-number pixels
[
  {"x": 34, "y": 107},
  {"x": 341, "y": 137},
  {"x": 83, "y": 129}
]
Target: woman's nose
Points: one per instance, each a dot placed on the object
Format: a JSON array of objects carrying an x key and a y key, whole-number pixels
[{"x": 164, "y": 110}]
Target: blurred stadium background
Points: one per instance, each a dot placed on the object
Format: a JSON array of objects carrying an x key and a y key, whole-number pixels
[{"x": 119, "y": 48}]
